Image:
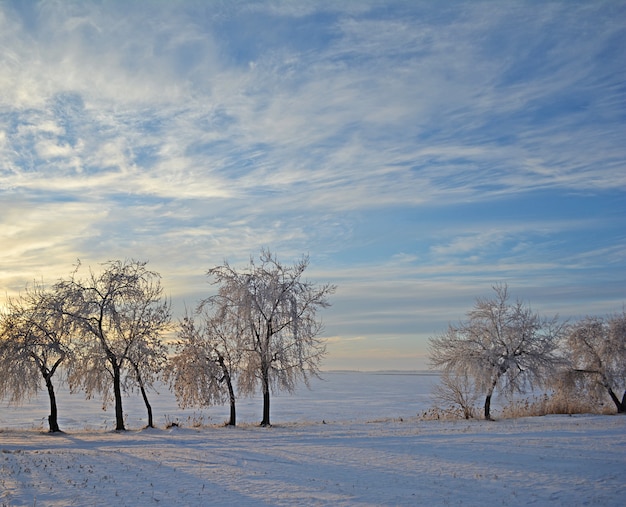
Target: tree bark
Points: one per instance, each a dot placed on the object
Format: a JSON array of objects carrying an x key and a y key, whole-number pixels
[
  {"x": 52, "y": 418},
  {"x": 488, "y": 407},
  {"x": 494, "y": 383},
  {"x": 144, "y": 395},
  {"x": 117, "y": 391},
  {"x": 619, "y": 405},
  {"x": 266, "y": 408},
  {"x": 265, "y": 386},
  {"x": 231, "y": 391},
  {"x": 488, "y": 401},
  {"x": 233, "y": 413}
]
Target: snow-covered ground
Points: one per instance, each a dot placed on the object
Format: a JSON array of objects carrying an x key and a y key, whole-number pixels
[
  {"x": 355, "y": 439},
  {"x": 338, "y": 396}
]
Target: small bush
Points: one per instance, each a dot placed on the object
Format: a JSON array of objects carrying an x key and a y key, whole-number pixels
[
  {"x": 171, "y": 424},
  {"x": 192, "y": 421},
  {"x": 450, "y": 413},
  {"x": 460, "y": 392}
]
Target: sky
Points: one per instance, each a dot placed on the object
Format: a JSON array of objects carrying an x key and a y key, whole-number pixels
[{"x": 418, "y": 152}]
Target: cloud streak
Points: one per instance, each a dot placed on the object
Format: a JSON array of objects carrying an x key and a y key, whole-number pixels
[{"x": 398, "y": 143}]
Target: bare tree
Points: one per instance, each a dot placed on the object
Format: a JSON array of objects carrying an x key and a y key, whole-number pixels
[
  {"x": 122, "y": 314},
  {"x": 208, "y": 357},
  {"x": 456, "y": 391},
  {"x": 500, "y": 344},
  {"x": 34, "y": 342},
  {"x": 279, "y": 311},
  {"x": 596, "y": 349}
]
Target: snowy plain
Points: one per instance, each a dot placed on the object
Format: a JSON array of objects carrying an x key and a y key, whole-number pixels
[{"x": 353, "y": 439}]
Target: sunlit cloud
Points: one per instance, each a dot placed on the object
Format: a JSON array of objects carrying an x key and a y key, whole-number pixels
[{"x": 418, "y": 152}]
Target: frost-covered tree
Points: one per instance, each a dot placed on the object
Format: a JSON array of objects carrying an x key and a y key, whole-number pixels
[
  {"x": 208, "y": 357},
  {"x": 596, "y": 349},
  {"x": 499, "y": 345},
  {"x": 279, "y": 311},
  {"x": 34, "y": 342},
  {"x": 148, "y": 357},
  {"x": 122, "y": 314}
]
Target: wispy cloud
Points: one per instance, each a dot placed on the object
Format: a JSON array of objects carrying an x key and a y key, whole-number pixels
[{"x": 396, "y": 142}]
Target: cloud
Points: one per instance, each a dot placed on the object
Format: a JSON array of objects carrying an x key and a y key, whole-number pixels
[
  {"x": 419, "y": 74},
  {"x": 414, "y": 149}
]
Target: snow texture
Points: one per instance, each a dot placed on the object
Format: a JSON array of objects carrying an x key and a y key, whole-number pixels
[{"x": 350, "y": 460}]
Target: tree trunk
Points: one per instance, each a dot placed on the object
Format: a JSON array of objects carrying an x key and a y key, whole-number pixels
[
  {"x": 233, "y": 413},
  {"x": 266, "y": 409},
  {"x": 494, "y": 383},
  {"x": 117, "y": 391},
  {"x": 488, "y": 407},
  {"x": 144, "y": 395},
  {"x": 265, "y": 385},
  {"x": 52, "y": 418},
  {"x": 619, "y": 405},
  {"x": 231, "y": 395},
  {"x": 488, "y": 401}
]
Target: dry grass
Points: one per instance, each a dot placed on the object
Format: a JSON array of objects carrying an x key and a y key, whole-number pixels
[
  {"x": 554, "y": 404},
  {"x": 192, "y": 421},
  {"x": 535, "y": 406}
]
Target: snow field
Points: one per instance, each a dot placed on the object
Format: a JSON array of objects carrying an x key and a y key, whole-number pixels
[
  {"x": 555, "y": 460},
  {"x": 353, "y": 439}
]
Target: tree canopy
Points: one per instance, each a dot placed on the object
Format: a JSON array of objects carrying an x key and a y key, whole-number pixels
[
  {"x": 121, "y": 314},
  {"x": 278, "y": 309},
  {"x": 35, "y": 339},
  {"x": 596, "y": 350},
  {"x": 500, "y": 344}
]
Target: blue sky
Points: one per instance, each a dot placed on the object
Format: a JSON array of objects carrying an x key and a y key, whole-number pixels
[{"x": 419, "y": 152}]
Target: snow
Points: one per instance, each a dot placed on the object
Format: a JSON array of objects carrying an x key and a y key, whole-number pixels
[{"x": 354, "y": 439}]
